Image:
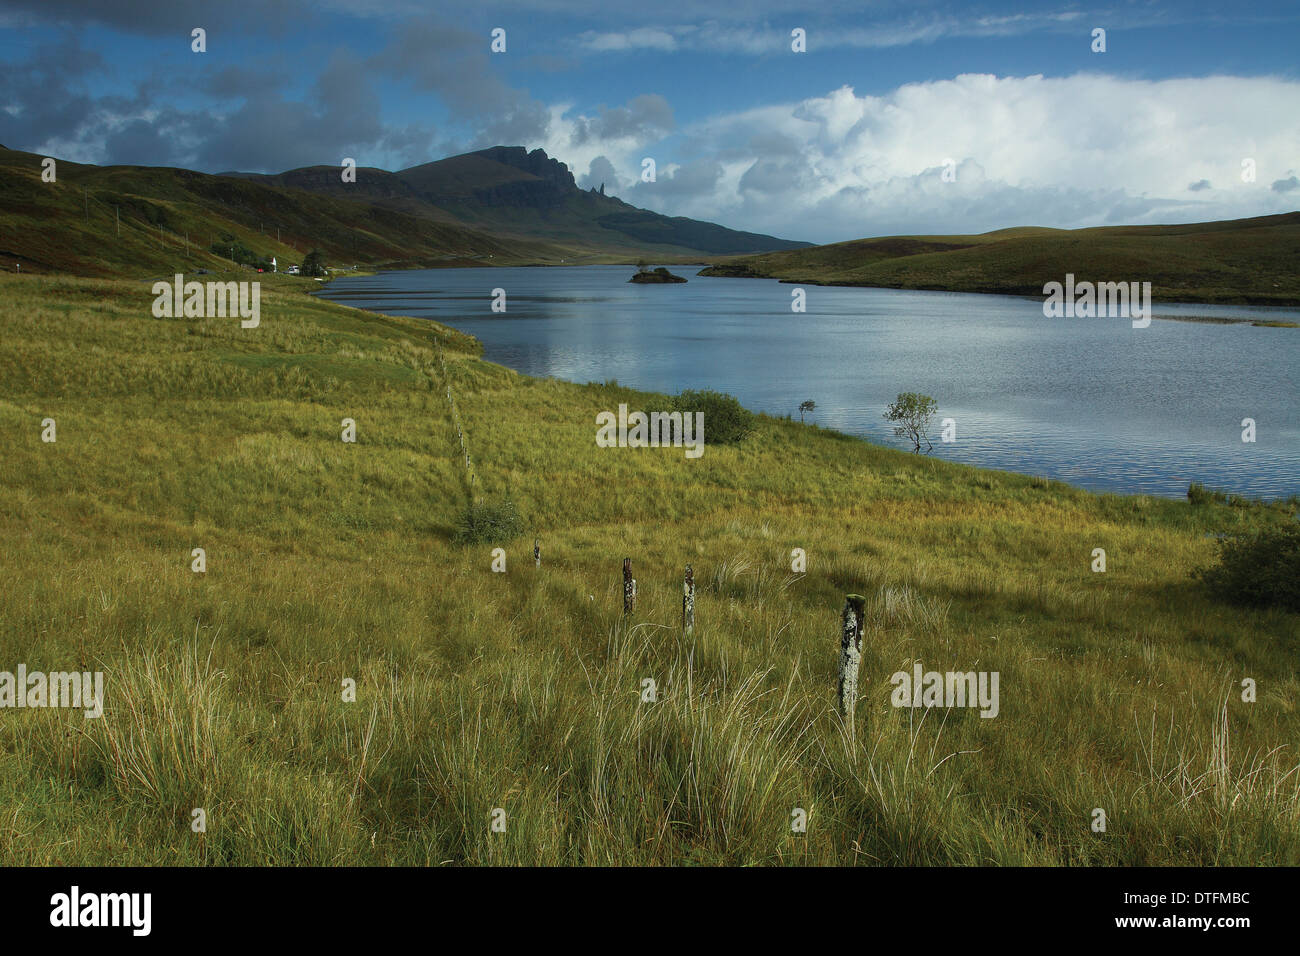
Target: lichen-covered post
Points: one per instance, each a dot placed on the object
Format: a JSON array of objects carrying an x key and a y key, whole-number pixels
[
  {"x": 629, "y": 587},
  {"x": 688, "y": 601},
  {"x": 850, "y": 654},
  {"x": 537, "y": 552}
]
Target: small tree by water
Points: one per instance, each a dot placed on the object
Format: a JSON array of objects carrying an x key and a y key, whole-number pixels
[{"x": 912, "y": 414}]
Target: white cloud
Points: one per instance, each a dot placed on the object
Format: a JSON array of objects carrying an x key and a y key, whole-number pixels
[
  {"x": 1073, "y": 151},
  {"x": 727, "y": 37},
  {"x": 641, "y": 38}
]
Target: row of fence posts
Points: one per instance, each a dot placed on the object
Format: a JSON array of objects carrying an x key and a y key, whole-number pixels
[
  {"x": 688, "y": 594},
  {"x": 850, "y": 629},
  {"x": 850, "y": 619},
  {"x": 850, "y": 633}
]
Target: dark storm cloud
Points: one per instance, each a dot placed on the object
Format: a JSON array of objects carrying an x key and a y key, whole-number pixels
[
  {"x": 271, "y": 133},
  {"x": 1285, "y": 185},
  {"x": 239, "y": 82},
  {"x": 696, "y": 178},
  {"x": 140, "y": 143},
  {"x": 51, "y": 106},
  {"x": 601, "y": 172},
  {"x": 160, "y": 17},
  {"x": 43, "y": 91},
  {"x": 412, "y": 144},
  {"x": 522, "y": 126},
  {"x": 455, "y": 64},
  {"x": 773, "y": 145},
  {"x": 646, "y": 117},
  {"x": 773, "y": 177}
]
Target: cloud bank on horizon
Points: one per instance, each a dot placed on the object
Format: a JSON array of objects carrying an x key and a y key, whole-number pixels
[{"x": 903, "y": 118}]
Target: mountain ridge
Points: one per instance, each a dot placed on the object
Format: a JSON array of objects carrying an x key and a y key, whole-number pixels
[
  {"x": 509, "y": 190},
  {"x": 147, "y": 220}
]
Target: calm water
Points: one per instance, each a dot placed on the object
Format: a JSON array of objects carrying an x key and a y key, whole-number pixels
[{"x": 1093, "y": 402}]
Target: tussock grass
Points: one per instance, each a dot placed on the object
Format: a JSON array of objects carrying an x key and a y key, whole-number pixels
[{"x": 522, "y": 691}]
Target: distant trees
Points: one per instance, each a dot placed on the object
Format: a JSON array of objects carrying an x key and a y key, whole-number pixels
[
  {"x": 312, "y": 264},
  {"x": 911, "y": 414},
  {"x": 807, "y": 406},
  {"x": 642, "y": 265},
  {"x": 228, "y": 247}
]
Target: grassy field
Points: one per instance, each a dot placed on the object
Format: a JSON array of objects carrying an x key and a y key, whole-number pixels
[
  {"x": 475, "y": 690},
  {"x": 1248, "y": 261}
]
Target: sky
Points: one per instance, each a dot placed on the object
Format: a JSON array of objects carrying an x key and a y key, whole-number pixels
[{"x": 915, "y": 117}]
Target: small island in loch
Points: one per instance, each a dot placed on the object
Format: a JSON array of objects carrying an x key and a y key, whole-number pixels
[{"x": 658, "y": 275}]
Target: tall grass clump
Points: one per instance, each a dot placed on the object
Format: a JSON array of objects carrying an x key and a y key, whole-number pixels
[{"x": 489, "y": 523}]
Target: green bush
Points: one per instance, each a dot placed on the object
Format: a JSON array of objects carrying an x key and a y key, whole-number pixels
[
  {"x": 1260, "y": 570},
  {"x": 494, "y": 524},
  {"x": 726, "y": 421}
]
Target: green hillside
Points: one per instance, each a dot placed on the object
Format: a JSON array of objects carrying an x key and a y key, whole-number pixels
[
  {"x": 508, "y": 191},
  {"x": 525, "y": 691},
  {"x": 1253, "y": 261},
  {"x": 134, "y": 220}
]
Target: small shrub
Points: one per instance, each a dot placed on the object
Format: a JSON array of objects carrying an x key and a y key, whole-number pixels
[
  {"x": 726, "y": 421},
  {"x": 1198, "y": 494},
  {"x": 493, "y": 524},
  {"x": 1260, "y": 570}
]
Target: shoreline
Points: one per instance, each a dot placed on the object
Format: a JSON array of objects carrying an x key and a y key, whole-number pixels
[
  {"x": 1242, "y": 302},
  {"x": 1042, "y": 478},
  {"x": 1230, "y": 299}
]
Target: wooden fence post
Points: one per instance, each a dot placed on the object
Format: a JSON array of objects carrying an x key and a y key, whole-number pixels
[
  {"x": 688, "y": 601},
  {"x": 629, "y": 587},
  {"x": 850, "y": 654}
]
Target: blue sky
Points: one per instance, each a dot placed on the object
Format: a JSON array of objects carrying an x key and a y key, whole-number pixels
[{"x": 900, "y": 117}]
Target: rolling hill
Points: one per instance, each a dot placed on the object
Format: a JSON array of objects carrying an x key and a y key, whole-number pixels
[
  {"x": 1252, "y": 261},
  {"x": 136, "y": 220},
  {"x": 506, "y": 190},
  {"x": 466, "y": 211}
]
